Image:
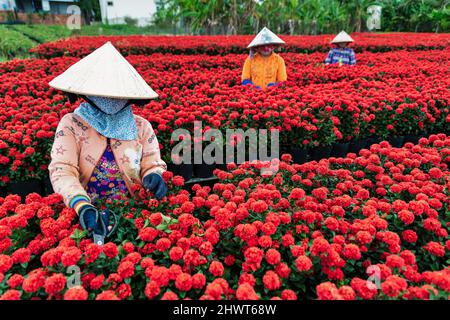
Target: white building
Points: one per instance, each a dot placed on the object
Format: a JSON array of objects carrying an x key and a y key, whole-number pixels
[{"x": 115, "y": 11}]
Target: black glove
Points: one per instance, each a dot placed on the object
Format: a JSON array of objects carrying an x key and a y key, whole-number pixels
[
  {"x": 89, "y": 214},
  {"x": 155, "y": 183}
]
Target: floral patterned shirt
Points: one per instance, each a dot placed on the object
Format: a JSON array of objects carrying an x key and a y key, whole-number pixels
[{"x": 106, "y": 180}]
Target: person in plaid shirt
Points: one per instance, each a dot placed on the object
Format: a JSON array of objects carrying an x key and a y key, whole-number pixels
[{"x": 341, "y": 54}]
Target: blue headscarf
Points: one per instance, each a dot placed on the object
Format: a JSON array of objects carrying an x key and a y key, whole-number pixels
[{"x": 113, "y": 120}]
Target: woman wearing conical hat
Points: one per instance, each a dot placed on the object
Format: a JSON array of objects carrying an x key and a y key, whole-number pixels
[
  {"x": 263, "y": 67},
  {"x": 341, "y": 54},
  {"x": 102, "y": 149}
]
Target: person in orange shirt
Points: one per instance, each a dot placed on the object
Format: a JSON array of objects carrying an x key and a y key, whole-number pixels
[{"x": 263, "y": 67}]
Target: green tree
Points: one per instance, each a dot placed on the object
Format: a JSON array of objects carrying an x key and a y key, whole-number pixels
[
  {"x": 301, "y": 16},
  {"x": 90, "y": 10}
]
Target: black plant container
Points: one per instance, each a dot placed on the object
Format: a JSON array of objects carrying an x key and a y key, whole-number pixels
[
  {"x": 373, "y": 140},
  {"x": 285, "y": 148},
  {"x": 396, "y": 141},
  {"x": 356, "y": 145},
  {"x": 185, "y": 170},
  {"x": 3, "y": 191},
  {"x": 204, "y": 170},
  {"x": 24, "y": 188},
  {"x": 320, "y": 152},
  {"x": 299, "y": 155},
  {"x": 411, "y": 138},
  {"x": 48, "y": 188},
  {"x": 340, "y": 150}
]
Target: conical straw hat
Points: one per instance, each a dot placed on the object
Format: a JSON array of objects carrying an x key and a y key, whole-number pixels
[
  {"x": 342, "y": 37},
  {"x": 265, "y": 36},
  {"x": 104, "y": 73}
]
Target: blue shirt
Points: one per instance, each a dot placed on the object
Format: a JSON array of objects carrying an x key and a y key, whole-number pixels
[{"x": 343, "y": 55}]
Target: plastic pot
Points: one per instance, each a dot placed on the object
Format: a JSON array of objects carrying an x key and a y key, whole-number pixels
[
  {"x": 48, "y": 188},
  {"x": 356, "y": 145},
  {"x": 320, "y": 152},
  {"x": 204, "y": 170},
  {"x": 185, "y": 170},
  {"x": 340, "y": 150},
  {"x": 24, "y": 188},
  {"x": 299, "y": 155},
  {"x": 411, "y": 138},
  {"x": 396, "y": 141}
]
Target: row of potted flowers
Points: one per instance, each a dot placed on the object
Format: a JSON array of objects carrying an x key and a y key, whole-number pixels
[
  {"x": 373, "y": 226},
  {"x": 222, "y": 45},
  {"x": 398, "y": 94}
]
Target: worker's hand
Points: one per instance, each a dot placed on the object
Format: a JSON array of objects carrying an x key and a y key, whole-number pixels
[
  {"x": 89, "y": 215},
  {"x": 155, "y": 183},
  {"x": 246, "y": 82},
  {"x": 272, "y": 84}
]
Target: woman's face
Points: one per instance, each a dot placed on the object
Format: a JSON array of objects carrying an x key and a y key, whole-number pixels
[
  {"x": 342, "y": 44},
  {"x": 265, "y": 50}
]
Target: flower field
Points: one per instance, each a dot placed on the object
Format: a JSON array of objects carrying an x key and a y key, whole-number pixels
[
  {"x": 222, "y": 45},
  {"x": 314, "y": 230}
]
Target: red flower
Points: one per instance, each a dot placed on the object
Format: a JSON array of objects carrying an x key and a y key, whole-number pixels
[
  {"x": 288, "y": 294},
  {"x": 70, "y": 257},
  {"x": 55, "y": 283},
  {"x": 327, "y": 291},
  {"x": 347, "y": 293},
  {"x": 163, "y": 244},
  {"x": 123, "y": 291},
  {"x": 393, "y": 286},
  {"x": 107, "y": 295},
  {"x": 183, "y": 282},
  {"x": 409, "y": 236},
  {"x": 11, "y": 295},
  {"x": 271, "y": 280},
  {"x": 169, "y": 295},
  {"x": 258, "y": 206},
  {"x": 176, "y": 253},
  {"x": 128, "y": 247},
  {"x": 76, "y": 293},
  {"x": 34, "y": 281},
  {"x": 15, "y": 281},
  {"x": 198, "y": 281},
  {"x": 351, "y": 252},
  {"x": 216, "y": 268},
  {"x": 160, "y": 275},
  {"x": 297, "y": 194},
  {"x": 6, "y": 263},
  {"x": 406, "y": 217},
  {"x": 246, "y": 292},
  {"x": 393, "y": 261},
  {"x": 21, "y": 255},
  {"x": 110, "y": 250},
  {"x": 97, "y": 282},
  {"x": 148, "y": 234},
  {"x": 435, "y": 248},
  {"x": 152, "y": 289},
  {"x": 303, "y": 263},
  {"x": 364, "y": 288},
  {"x": 92, "y": 252},
  {"x": 273, "y": 257},
  {"x": 126, "y": 269}
]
